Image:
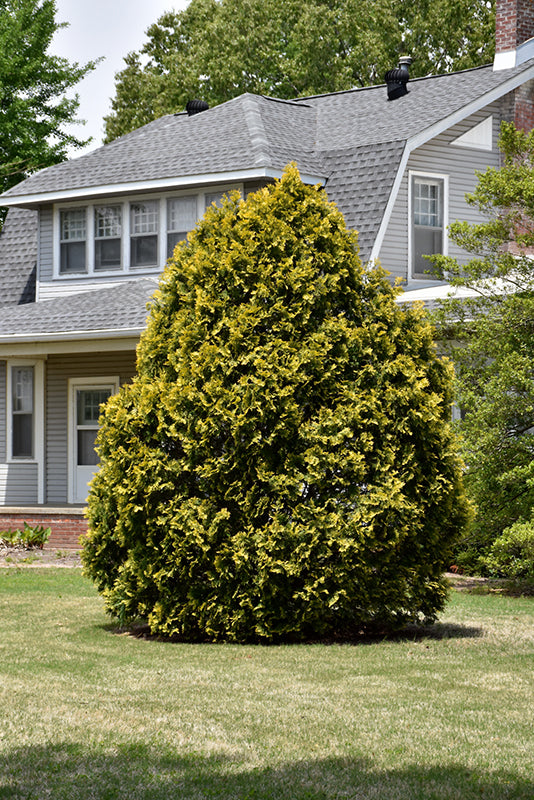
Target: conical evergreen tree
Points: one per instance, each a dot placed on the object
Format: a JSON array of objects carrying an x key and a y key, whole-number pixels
[{"x": 283, "y": 464}]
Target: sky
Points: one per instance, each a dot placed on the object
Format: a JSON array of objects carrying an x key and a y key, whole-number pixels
[{"x": 109, "y": 28}]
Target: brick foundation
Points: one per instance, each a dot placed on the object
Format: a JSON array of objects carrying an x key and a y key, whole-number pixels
[{"x": 67, "y": 524}]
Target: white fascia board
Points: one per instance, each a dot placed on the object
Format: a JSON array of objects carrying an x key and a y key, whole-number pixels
[
  {"x": 71, "y": 336},
  {"x": 177, "y": 182},
  {"x": 391, "y": 202},
  {"x": 434, "y": 130},
  {"x": 10, "y": 348},
  {"x": 442, "y": 291}
]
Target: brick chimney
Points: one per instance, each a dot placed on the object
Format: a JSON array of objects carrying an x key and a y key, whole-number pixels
[{"x": 514, "y": 42}]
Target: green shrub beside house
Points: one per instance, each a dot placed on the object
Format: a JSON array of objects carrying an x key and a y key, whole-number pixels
[{"x": 283, "y": 465}]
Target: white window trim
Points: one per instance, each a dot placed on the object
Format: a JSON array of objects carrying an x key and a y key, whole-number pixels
[
  {"x": 73, "y": 384},
  {"x": 38, "y": 419},
  {"x": 445, "y": 250},
  {"x": 126, "y": 269}
]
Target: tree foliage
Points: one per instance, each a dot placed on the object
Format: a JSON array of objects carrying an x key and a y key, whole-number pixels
[
  {"x": 283, "y": 463},
  {"x": 218, "y": 49},
  {"x": 491, "y": 339},
  {"x": 33, "y": 84}
]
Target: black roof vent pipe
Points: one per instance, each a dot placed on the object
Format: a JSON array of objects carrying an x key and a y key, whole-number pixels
[
  {"x": 196, "y": 107},
  {"x": 396, "y": 79}
]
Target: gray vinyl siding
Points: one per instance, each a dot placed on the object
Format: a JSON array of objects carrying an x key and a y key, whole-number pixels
[
  {"x": 18, "y": 484},
  {"x": 59, "y": 369},
  {"x": 3, "y": 411},
  {"x": 441, "y": 158},
  {"x": 46, "y": 244}
]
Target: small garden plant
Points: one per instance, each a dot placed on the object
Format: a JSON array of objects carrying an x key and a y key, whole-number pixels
[{"x": 29, "y": 538}]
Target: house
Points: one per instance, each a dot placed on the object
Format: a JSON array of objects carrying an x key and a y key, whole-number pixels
[{"x": 85, "y": 241}]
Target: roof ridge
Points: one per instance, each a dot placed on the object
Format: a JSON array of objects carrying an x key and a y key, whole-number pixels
[
  {"x": 256, "y": 129},
  {"x": 284, "y": 100},
  {"x": 355, "y": 89}
]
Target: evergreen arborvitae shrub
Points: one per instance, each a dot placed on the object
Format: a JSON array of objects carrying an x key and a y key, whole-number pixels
[{"x": 282, "y": 466}]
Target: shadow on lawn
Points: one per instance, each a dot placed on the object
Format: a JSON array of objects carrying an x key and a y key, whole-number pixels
[
  {"x": 71, "y": 772},
  {"x": 410, "y": 633}
]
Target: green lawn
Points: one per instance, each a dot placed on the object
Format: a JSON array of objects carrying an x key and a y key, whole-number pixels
[{"x": 87, "y": 712}]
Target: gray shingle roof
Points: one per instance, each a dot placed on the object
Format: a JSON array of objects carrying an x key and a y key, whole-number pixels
[
  {"x": 254, "y": 131},
  {"x": 247, "y": 132},
  {"x": 118, "y": 309},
  {"x": 18, "y": 257},
  {"x": 364, "y": 116},
  {"x": 359, "y": 182}
]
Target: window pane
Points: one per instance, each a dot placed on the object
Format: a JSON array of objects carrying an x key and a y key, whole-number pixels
[
  {"x": 143, "y": 222},
  {"x": 144, "y": 251},
  {"x": 107, "y": 253},
  {"x": 22, "y": 380},
  {"x": 426, "y": 241},
  {"x": 73, "y": 224},
  {"x": 427, "y": 223},
  {"x": 22, "y": 436},
  {"x": 87, "y": 455},
  {"x": 72, "y": 257},
  {"x": 88, "y": 402},
  {"x": 73, "y": 236},
  {"x": 215, "y": 197},
  {"x": 427, "y": 203},
  {"x": 108, "y": 221},
  {"x": 182, "y": 214},
  {"x": 144, "y": 217},
  {"x": 172, "y": 241}
]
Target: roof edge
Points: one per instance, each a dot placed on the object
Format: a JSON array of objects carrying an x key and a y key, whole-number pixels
[
  {"x": 76, "y": 335},
  {"x": 470, "y": 108},
  {"x": 181, "y": 181}
]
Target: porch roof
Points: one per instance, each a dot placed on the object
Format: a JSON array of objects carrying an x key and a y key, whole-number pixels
[{"x": 118, "y": 311}]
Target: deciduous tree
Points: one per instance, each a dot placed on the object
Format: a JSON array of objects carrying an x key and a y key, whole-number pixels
[
  {"x": 217, "y": 49},
  {"x": 491, "y": 338},
  {"x": 33, "y": 86}
]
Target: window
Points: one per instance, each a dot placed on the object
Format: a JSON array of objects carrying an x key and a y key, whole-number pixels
[
  {"x": 144, "y": 219},
  {"x": 88, "y": 407},
  {"x": 182, "y": 214},
  {"x": 72, "y": 240},
  {"x": 108, "y": 231},
  {"x": 125, "y": 236},
  {"x": 22, "y": 408},
  {"x": 428, "y": 226},
  {"x": 215, "y": 197}
]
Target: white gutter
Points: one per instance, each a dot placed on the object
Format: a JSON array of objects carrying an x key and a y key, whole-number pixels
[
  {"x": 176, "y": 182},
  {"x": 431, "y": 293},
  {"x": 483, "y": 288},
  {"x": 62, "y": 336}
]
